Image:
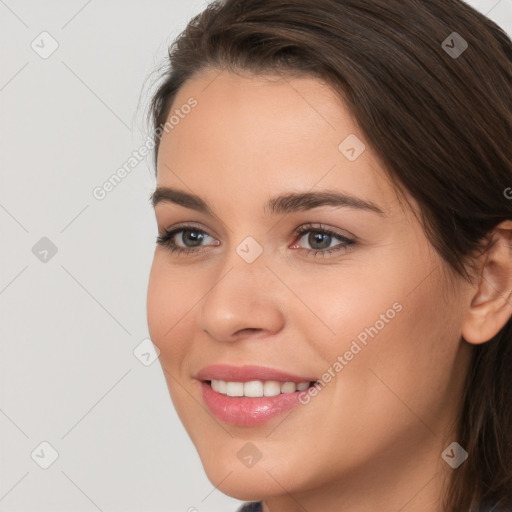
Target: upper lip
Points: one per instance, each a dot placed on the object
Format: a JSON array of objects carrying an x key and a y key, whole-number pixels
[{"x": 247, "y": 373}]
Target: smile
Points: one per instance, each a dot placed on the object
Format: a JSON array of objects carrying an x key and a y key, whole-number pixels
[
  {"x": 249, "y": 395},
  {"x": 257, "y": 388}
]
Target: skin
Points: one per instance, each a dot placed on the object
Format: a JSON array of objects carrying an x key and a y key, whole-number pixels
[{"x": 373, "y": 436}]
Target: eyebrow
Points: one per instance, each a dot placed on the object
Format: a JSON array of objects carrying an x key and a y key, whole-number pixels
[{"x": 286, "y": 203}]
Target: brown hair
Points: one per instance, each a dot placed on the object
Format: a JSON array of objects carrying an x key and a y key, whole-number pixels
[{"x": 440, "y": 122}]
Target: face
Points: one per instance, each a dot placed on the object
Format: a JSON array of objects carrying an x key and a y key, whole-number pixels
[{"x": 337, "y": 286}]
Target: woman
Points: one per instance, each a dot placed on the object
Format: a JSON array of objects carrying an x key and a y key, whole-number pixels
[{"x": 331, "y": 288}]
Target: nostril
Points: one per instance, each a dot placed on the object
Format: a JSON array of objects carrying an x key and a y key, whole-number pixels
[{"x": 247, "y": 330}]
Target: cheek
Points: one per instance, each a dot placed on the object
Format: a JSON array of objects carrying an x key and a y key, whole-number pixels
[
  {"x": 169, "y": 301},
  {"x": 421, "y": 358},
  {"x": 354, "y": 303},
  {"x": 392, "y": 320},
  {"x": 407, "y": 355}
]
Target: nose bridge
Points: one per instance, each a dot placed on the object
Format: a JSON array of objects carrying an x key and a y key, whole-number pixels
[{"x": 242, "y": 294}]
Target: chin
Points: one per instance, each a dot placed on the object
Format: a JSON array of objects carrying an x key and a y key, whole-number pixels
[
  {"x": 264, "y": 479},
  {"x": 244, "y": 485}
]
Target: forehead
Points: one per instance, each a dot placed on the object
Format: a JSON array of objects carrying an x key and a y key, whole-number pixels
[
  {"x": 264, "y": 134},
  {"x": 256, "y": 109}
]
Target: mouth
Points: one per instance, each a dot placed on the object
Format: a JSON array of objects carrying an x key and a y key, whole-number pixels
[
  {"x": 251, "y": 403},
  {"x": 257, "y": 388},
  {"x": 250, "y": 395}
]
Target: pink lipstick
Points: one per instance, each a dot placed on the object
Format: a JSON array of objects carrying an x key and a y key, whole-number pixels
[{"x": 250, "y": 395}]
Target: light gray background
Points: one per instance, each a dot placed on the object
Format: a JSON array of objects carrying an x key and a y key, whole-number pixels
[{"x": 69, "y": 326}]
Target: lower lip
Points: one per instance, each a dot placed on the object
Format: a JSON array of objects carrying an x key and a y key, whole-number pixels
[{"x": 246, "y": 411}]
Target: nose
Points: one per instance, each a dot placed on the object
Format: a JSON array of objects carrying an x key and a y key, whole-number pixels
[{"x": 245, "y": 299}]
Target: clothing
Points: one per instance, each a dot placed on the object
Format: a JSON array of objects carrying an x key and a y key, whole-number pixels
[
  {"x": 256, "y": 506},
  {"x": 253, "y": 506}
]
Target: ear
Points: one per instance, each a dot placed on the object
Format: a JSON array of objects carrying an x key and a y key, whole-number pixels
[{"x": 491, "y": 303}]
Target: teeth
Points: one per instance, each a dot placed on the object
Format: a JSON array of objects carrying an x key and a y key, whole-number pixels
[
  {"x": 222, "y": 386},
  {"x": 235, "y": 389},
  {"x": 253, "y": 388},
  {"x": 288, "y": 387},
  {"x": 271, "y": 388},
  {"x": 256, "y": 388}
]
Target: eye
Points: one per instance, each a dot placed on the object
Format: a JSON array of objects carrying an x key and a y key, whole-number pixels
[
  {"x": 320, "y": 239},
  {"x": 190, "y": 237},
  {"x": 189, "y": 240}
]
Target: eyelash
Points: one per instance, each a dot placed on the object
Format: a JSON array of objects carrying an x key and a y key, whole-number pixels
[{"x": 165, "y": 240}]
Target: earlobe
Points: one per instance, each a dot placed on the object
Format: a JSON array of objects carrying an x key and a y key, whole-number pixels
[{"x": 491, "y": 304}]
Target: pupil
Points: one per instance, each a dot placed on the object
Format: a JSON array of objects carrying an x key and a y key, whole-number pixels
[
  {"x": 319, "y": 238},
  {"x": 195, "y": 237}
]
